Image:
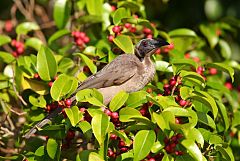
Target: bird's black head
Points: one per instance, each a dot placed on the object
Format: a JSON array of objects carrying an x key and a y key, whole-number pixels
[{"x": 146, "y": 47}]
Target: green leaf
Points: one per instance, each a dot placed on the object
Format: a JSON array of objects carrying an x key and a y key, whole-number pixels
[
  {"x": 58, "y": 35},
  {"x": 95, "y": 157},
  {"x": 163, "y": 66},
  {"x": 39, "y": 102},
  {"x": 61, "y": 12},
  {"x": 61, "y": 87},
  {"x": 236, "y": 119},
  {"x": 26, "y": 27},
  {"x": 125, "y": 114},
  {"x": 206, "y": 119},
  {"x": 65, "y": 64},
  {"x": 52, "y": 147},
  {"x": 89, "y": 19},
  {"x": 74, "y": 115},
  {"x": 6, "y": 57},
  {"x": 40, "y": 151},
  {"x": 163, "y": 119},
  {"x": 118, "y": 101},
  {"x": 225, "y": 49},
  {"x": 34, "y": 43},
  {"x": 88, "y": 62},
  {"x": 192, "y": 148},
  {"x": 206, "y": 99},
  {"x": 192, "y": 76},
  {"x": 182, "y": 32},
  {"x": 142, "y": 144},
  {"x": 224, "y": 115},
  {"x": 82, "y": 95},
  {"x": 86, "y": 129},
  {"x": 136, "y": 99},
  {"x": 223, "y": 67},
  {"x": 119, "y": 14},
  {"x": 183, "y": 63},
  {"x": 134, "y": 6},
  {"x": 100, "y": 124},
  {"x": 224, "y": 153},
  {"x": 4, "y": 39},
  {"x": 46, "y": 64},
  {"x": 125, "y": 43},
  {"x": 210, "y": 34},
  {"x": 94, "y": 7},
  {"x": 185, "y": 92},
  {"x": 195, "y": 135}
]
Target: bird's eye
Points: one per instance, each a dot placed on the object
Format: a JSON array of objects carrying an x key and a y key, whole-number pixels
[{"x": 144, "y": 43}]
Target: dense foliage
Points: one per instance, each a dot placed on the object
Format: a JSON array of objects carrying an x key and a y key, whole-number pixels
[{"x": 190, "y": 111}]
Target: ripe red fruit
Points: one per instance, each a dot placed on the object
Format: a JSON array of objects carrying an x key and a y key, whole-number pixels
[
  {"x": 121, "y": 143},
  {"x": 143, "y": 111},
  {"x": 187, "y": 55},
  {"x": 8, "y": 26},
  {"x": 127, "y": 25},
  {"x": 14, "y": 54},
  {"x": 173, "y": 145},
  {"x": 151, "y": 159},
  {"x": 111, "y": 153},
  {"x": 166, "y": 140},
  {"x": 178, "y": 152},
  {"x": 196, "y": 59},
  {"x": 113, "y": 137},
  {"x": 171, "y": 46},
  {"x": 50, "y": 84},
  {"x": 79, "y": 42},
  {"x": 200, "y": 70},
  {"x": 149, "y": 36},
  {"x": 179, "y": 135},
  {"x": 124, "y": 149},
  {"x": 149, "y": 90},
  {"x": 178, "y": 120},
  {"x": 68, "y": 102},
  {"x": 36, "y": 76},
  {"x": 172, "y": 82},
  {"x": 82, "y": 109},
  {"x": 116, "y": 29},
  {"x": 133, "y": 29},
  {"x": 182, "y": 103},
  {"x": 218, "y": 32},
  {"x": 113, "y": 8},
  {"x": 147, "y": 31},
  {"x": 228, "y": 85},
  {"x": 114, "y": 115},
  {"x": 213, "y": 71},
  {"x": 70, "y": 135},
  {"x": 86, "y": 39},
  {"x": 13, "y": 42},
  {"x": 108, "y": 112},
  {"x": 20, "y": 50},
  {"x": 158, "y": 52},
  {"x": 168, "y": 149},
  {"x": 166, "y": 87},
  {"x": 110, "y": 38}
]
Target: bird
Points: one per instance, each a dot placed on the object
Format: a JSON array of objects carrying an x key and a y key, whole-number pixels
[{"x": 128, "y": 72}]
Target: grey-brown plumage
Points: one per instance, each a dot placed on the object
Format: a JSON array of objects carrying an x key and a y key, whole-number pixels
[{"x": 128, "y": 72}]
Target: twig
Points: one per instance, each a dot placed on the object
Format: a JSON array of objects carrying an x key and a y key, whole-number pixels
[
  {"x": 47, "y": 25},
  {"x": 17, "y": 113},
  {"x": 10, "y": 123},
  {"x": 6, "y": 131}
]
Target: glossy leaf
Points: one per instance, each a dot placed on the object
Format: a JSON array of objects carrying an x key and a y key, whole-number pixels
[
  {"x": 88, "y": 62},
  {"x": 26, "y": 27},
  {"x": 127, "y": 113},
  {"x": 119, "y": 14},
  {"x": 222, "y": 67},
  {"x": 225, "y": 49},
  {"x": 142, "y": 144},
  {"x": 206, "y": 119},
  {"x": 125, "y": 43},
  {"x": 224, "y": 115},
  {"x": 136, "y": 99},
  {"x": 61, "y": 12},
  {"x": 163, "y": 66},
  {"x": 193, "y": 149},
  {"x": 39, "y": 102},
  {"x": 94, "y": 7},
  {"x": 37, "y": 86},
  {"x": 182, "y": 32},
  {"x": 209, "y": 33},
  {"x": 34, "y": 43},
  {"x": 95, "y": 157},
  {"x": 74, "y": 115},
  {"x": 52, "y": 147},
  {"x": 6, "y": 57},
  {"x": 100, "y": 125},
  {"x": 4, "y": 39},
  {"x": 57, "y": 35},
  {"x": 46, "y": 64},
  {"x": 118, "y": 101}
]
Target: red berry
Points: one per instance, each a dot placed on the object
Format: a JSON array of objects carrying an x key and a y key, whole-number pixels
[
  {"x": 113, "y": 137},
  {"x": 158, "y": 52},
  {"x": 143, "y": 111},
  {"x": 127, "y": 25},
  {"x": 121, "y": 143},
  {"x": 172, "y": 83},
  {"x": 200, "y": 70},
  {"x": 86, "y": 39},
  {"x": 218, "y": 32},
  {"x": 228, "y": 85},
  {"x": 20, "y": 50},
  {"x": 114, "y": 115},
  {"x": 110, "y": 38},
  {"x": 79, "y": 42},
  {"x": 113, "y": 8},
  {"x": 179, "y": 135},
  {"x": 182, "y": 103},
  {"x": 168, "y": 149},
  {"x": 8, "y": 26},
  {"x": 196, "y": 59},
  {"x": 48, "y": 108},
  {"x": 13, "y": 42},
  {"x": 149, "y": 36},
  {"x": 178, "y": 120},
  {"x": 82, "y": 35},
  {"x": 82, "y": 109},
  {"x": 73, "y": 33},
  {"x": 151, "y": 159},
  {"x": 135, "y": 16},
  {"x": 178, "y": 152},
  {"x": 36, "y": 75},
  {"x": 187, "y": 55},
  {"x": 171, "y": 46},
  {"x": 116, "y": 29},
  {"x": 149, "y": 90},
  {"x": 108, "y": 112},
  {"x": 68, "y": 102},
  {"x": 19, "y": 44},
  {"x": 86, "y": 69},
  {"x": 133, "y": 29},
  {"x": 166, "y": 140},
  {"x": 147, "y": 31},
  {"x": 70, "y": 135},
  {"x": 173, "y": 145},
  {"x": 14, "y": 54},
  {"x": 111, "y": 153},
  {"x": 213, "y": 71},
  {"x": 166, "y": 87},
  {"x": 166, "y": 50},
  {"x": 50, "y": 84},
  {"x": 124, "y": 149}
]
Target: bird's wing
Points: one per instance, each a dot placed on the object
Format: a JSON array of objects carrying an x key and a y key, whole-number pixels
[{"x": 120, "y": 70}]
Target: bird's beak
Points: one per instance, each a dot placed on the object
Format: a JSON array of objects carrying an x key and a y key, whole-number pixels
[{"x": 160, "y": 43}]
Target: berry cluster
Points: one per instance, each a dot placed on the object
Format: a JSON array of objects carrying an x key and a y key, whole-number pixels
[
  {"x": 52, "y": 106},
  {"x": 171, "y": 143},
  {"x": 80, "y": 38},
  {"x": 168, "y": 48},
  {"x": 195, "y": 58},
  {"x": 122, "y": 148},
  {"x": 114, "y": 117},
  {"x": 152, "y": 157},
  {"x": 86, "y": 116},
  {"x": 19, "y": 48},
  {"x": 147, "y": 32},
  {"x": 67, "y": 141},
  {"x": 144, "y": 109},
  {"x": 173, "y": 88},
  {"x": 51, "y": 82}
]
